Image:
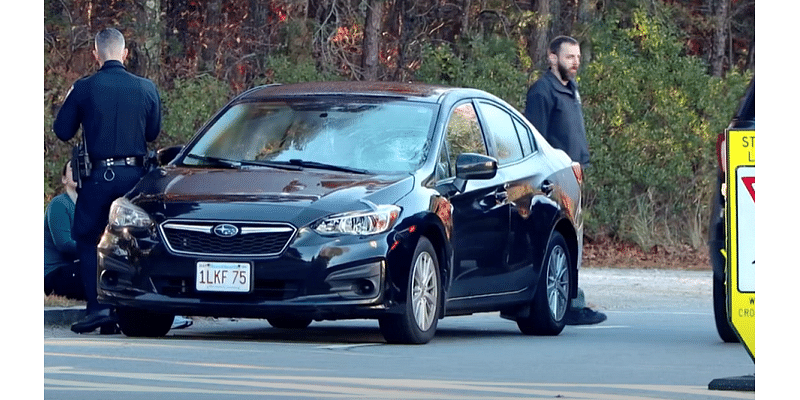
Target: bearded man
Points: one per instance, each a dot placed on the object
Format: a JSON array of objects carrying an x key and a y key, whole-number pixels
[{"x": 553, "y": 106}]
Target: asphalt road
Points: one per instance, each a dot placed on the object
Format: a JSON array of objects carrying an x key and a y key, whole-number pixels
[{"x": 659, "y": 342}]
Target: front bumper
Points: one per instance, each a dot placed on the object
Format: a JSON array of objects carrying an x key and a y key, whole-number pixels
[{"x": 315, "y": 276}]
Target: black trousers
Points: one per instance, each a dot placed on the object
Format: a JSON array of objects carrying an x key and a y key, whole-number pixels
[
  {"x": 91, "y": 217},
  {"x": 65, "y": 281}
]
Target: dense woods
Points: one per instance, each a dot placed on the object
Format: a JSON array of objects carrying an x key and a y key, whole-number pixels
[{"x": 659, "y": 80}]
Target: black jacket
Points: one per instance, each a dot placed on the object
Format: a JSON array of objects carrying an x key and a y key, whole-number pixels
[
  {"x": 119, "y": 112},
  {"x": 555, "y": 110}
]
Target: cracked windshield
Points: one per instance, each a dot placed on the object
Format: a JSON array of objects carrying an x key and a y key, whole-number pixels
[{"x": 368, "y": 136}]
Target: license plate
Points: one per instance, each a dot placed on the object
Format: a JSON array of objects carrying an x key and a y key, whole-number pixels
[{"x": 223, "y": 277}]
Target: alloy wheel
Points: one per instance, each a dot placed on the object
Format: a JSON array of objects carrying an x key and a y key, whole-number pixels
[
  {"x": 558, "y": 283},
  {"x": 424, "y": 291}
]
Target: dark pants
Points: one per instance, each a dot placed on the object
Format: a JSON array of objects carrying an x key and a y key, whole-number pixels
[
  {"x": 91, "y": 216},
  {"x": 65, "y": 281}
]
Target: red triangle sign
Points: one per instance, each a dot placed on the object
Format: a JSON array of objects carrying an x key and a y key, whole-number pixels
[{"x": 750, "y": 184}]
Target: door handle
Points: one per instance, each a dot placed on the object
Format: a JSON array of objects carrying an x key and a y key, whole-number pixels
[
  {"x": 547, "y": 187},
  {"x": 492, "y": 200}
]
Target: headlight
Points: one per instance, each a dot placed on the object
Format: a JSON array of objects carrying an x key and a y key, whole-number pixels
[
  {"x": 381, "y": 219},
  {"x": 124, "y": 214}
]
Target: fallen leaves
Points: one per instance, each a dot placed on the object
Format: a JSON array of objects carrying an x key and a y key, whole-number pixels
[{"x": 615, "y": 254}]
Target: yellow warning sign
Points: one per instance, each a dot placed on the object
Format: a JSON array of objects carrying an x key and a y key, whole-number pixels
[{"x": 741, "y": 227}]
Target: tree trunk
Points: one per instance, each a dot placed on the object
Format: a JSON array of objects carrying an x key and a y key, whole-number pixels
[
  {"x": 211, "y": 38},
  {"x": 541, "y": 30},
  {"x": 153, "y": 37},
  {"x": 587, "y": 12},
  {"x": 565, "y": 14},
  {"x": 143, "y": 39},
  {"x": 465, "y": 16},
  {"x": 370, "y": 49},
  {"x": 398, "y": 20},
  {"x": 721, "y": 18}
]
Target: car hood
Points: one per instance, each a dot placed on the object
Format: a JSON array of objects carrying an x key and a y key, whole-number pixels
[{"x": 297, "y": 197}]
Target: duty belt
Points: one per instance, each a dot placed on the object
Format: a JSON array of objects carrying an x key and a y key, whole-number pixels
[{"x": 118, "y": 162}]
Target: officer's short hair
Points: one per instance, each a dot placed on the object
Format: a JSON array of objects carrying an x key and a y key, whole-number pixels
[
  {"x": 555, "y": 44},
  {"x": 108, "y": 41}
]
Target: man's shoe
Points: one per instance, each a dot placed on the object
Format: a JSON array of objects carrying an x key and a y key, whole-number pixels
[
  {"x": 93, "y": 321},
  {"x": 584, "y": 316}
]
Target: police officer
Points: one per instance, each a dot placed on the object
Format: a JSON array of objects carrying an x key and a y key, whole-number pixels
[{"x": 118, "y": 112}]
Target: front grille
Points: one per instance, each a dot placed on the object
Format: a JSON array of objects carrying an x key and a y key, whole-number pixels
[{"x": 251, "y": 239}]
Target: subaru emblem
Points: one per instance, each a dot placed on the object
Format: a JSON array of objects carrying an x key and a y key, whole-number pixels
[{"x": 226, "y": 230}]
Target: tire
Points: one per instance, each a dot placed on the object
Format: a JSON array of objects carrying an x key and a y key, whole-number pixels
[
  {"x": 289, "y": 322},
  {"x": 717, "y": 243},
  {"x": 552, "y": 295},
  {"x": 724, "y": 328},
  {"x": 134, "y": 322},
  {"x": 417, "y": 324}
]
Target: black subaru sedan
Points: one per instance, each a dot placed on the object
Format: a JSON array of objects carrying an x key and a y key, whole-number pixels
[{"x": 404, "y": 203}]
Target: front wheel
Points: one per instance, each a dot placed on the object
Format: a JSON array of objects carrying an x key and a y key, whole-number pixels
[
  {"x": 417, "y": 324},
  {"x": 552, "y": 296},
  {"x": 141, "y": 323}
]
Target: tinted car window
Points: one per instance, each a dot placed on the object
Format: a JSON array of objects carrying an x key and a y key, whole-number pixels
[
  {"x": 524, "y": 137},
  {"x": 376, "y": 136},
  {"x": 463, "y": 136},
  {"x": 501, "y": 127}
]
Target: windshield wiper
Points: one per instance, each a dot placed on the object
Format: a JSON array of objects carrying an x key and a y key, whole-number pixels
[
  {"x": 292, "y": 165},
  {"x": 319, "y": 165},
  {"x": 216, "y": 161},
  {"x": 272, "y": 164}
]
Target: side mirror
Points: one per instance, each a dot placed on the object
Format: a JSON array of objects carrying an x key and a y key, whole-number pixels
[
  {"x": 165, "y": 155},
  {"x": 473, "y": 166}
]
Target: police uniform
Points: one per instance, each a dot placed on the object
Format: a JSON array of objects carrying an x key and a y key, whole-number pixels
[{"x": 119, "y": 113}]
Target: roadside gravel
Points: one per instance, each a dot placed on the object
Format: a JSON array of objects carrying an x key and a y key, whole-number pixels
[{"x": 623, "y": 288}]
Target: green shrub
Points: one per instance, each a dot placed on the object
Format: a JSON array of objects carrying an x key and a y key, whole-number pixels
[
  {"x": 284, "y": 69},
  {"x": 491, "y": 63},
  {"x": 652, "y": 117},
  {"x": 188, "y": 105},
  {"x": 192, "y": 102}
]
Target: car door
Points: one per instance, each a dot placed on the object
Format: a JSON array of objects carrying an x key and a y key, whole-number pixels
[
  {"x": 480, "y": 213},
  {"x": 511, "y": 144}
]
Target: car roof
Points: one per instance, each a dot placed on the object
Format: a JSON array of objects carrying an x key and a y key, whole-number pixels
[{"x": 417, "y": 91}]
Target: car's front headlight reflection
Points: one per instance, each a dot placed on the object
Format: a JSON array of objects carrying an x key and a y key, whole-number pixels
[
  {"x": 124, "y": 214},
  {"x": 381, "y": 219}
]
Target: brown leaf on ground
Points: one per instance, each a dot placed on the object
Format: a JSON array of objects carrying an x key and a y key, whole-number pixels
[{"x": 608, "y": 253}]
